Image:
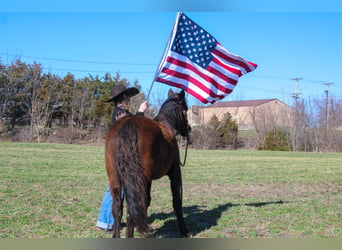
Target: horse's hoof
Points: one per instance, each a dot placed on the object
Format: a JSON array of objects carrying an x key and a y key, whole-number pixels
[{"x": 186, "y": 234}]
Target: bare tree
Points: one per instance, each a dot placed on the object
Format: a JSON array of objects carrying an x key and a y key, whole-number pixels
[
  {"x": 335, "y": 125},
  {"x": 36, "y": 97}
]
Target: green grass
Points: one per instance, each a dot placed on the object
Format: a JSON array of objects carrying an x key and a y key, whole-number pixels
[{"x": 55, "y": 190}]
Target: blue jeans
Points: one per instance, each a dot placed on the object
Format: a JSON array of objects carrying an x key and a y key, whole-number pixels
[{"x": 105, "y": 219}]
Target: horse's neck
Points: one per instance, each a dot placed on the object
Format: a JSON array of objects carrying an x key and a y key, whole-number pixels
[{"x": 168, "y": 130}]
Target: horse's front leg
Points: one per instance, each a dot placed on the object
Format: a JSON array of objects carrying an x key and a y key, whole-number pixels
[
  {"x": 148, "y": 194},
  {"x": 176, "y": 188}
]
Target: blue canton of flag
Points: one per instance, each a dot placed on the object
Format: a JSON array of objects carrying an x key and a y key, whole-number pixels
[{"x": 193, "y": 42}]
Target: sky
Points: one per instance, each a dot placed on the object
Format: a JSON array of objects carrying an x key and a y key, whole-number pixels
[{"x": 286, "y": 41}]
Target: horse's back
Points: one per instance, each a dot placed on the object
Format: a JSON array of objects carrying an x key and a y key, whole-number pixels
[{"x": 157, "y": 147}]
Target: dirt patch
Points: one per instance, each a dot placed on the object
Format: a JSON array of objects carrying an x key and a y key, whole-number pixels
[{"x": 280, "y": 192}]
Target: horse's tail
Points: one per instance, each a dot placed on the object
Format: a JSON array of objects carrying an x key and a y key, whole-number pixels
[{"x": 131, "y": 175}]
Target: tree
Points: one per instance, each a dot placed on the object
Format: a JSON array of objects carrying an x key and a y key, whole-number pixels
[
  {"x": 53, "y": 103},
  {"x": 205, "y": 137},
  {"x": 276, "y": 140},
  {"x": 36, "y": 98},
  {"x": 13, "y": 101},
  {"x": 228, "y": 132}
]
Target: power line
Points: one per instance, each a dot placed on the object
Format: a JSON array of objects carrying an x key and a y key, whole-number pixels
[
  {"x": 97, "y": 71},
  {"x": 79, "y": 61}
]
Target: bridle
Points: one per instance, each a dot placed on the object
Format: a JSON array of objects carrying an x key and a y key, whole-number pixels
[
  {"x": 186, "y": 151},
  {"x": 187, "y": 137}
]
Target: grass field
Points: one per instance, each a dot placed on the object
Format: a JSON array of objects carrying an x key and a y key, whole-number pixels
[{"x": 55, "y": 190}]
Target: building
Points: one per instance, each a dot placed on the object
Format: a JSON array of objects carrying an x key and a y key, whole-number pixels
[{"x": 248, "y": 114}]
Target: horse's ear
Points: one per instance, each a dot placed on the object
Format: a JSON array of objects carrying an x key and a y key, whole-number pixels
[
  {"x": 170, "y": 94},
  {"x": 182, "y": 95}
]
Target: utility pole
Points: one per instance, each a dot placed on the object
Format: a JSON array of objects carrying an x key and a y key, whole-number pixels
[
  {"x": 327, "y": 106},
  {"x": 295, "y": 96},
  {"x": 297, "y": 79}
]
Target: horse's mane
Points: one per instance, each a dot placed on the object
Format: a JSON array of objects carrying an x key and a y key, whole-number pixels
[{"x": 170, "y": 111}]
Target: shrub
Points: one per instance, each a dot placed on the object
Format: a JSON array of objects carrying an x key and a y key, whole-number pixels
[{"x": 276, "y": 140}]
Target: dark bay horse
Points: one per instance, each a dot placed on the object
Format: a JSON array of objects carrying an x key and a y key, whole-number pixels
[{"x": 139, "y": 150}]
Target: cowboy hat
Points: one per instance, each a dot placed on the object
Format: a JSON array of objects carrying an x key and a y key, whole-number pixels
[{"x": 121, "y": 89}]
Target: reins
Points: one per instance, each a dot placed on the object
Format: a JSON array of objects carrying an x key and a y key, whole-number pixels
[{"x": 186, "y": 151}]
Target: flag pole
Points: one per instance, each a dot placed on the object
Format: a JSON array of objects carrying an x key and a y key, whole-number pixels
[
  {"x": 149, "y": 92},
  {"x": 162, "y": 59}
]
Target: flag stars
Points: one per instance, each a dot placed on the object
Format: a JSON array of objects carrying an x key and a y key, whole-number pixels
[{"x": 197, "y": 42}]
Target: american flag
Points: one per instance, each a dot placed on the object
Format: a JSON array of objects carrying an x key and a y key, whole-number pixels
[{"x": 197, "y": 63}]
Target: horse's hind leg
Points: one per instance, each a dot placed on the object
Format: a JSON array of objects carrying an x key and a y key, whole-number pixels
[
  {"x": 130, "y": 226},
  {"x": 117, "y": 211},
  {"x": 176, "y": 188}
]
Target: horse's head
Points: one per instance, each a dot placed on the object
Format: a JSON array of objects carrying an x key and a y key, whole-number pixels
[{"x": 175, "y": 109}]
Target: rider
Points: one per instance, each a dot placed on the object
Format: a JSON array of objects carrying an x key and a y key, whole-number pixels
[{"x": 120, "y": 96}]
